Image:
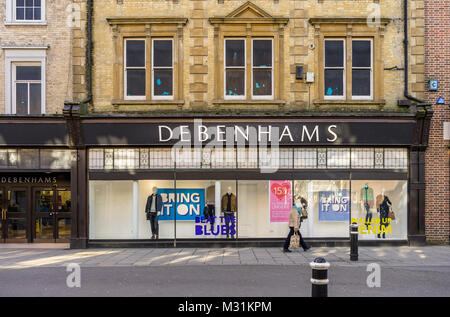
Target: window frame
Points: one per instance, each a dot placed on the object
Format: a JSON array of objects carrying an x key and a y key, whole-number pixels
[
  {"x": 28, "y": 82},
  {"x": 225, "y": 96},
  {"x": 368, "y": 97},
  {"x": 11, "y": 19},
  {"x": 32, "y": 55},
  {"x": 344, "y": 69},
  {"x": 125, "y": 68},
  {"x": 263, "y": 97},
  {"x": 162, "y": 97}
]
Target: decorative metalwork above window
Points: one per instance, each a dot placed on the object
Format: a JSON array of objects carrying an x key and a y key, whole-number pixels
[{"x": 284, "y": 158}]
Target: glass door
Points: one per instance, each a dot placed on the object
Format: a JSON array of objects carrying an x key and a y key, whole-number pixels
[
  {"x": 63, "y": 215},
  {"x": 52, "y": 215},
  {"x": 14, "y": 214},
  {"x": 44, "y": 218}
]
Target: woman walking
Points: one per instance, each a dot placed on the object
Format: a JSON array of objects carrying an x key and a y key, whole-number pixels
[{"x": 295, "y": 220}]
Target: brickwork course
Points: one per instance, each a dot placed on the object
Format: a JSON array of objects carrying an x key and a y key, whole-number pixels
[{"x": 437, "y": 61}]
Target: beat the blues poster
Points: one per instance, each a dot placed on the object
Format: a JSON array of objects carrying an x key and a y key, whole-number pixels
[
  {"x": 334, "y": 205},
  {"x": 189, "y": 203}
]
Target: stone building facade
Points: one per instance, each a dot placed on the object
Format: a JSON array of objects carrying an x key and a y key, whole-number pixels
[{"x": 299, "y": 27}]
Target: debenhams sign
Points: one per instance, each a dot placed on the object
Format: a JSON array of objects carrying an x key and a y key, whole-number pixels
[
  {"x": 288, "y": 133},
  {"x": 248, "y": 134}
]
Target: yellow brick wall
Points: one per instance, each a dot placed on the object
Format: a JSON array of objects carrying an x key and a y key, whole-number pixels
[
  {"x": 198, "y": 37},
  {"x": 57, "y": 34}
]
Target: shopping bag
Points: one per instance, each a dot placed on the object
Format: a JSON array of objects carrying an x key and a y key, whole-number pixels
[
  {"x": 295, "y": 241},
  {"x": 391, "y": 214}
]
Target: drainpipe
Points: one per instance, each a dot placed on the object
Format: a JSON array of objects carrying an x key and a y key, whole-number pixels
[{"x": 405, "y": 46}]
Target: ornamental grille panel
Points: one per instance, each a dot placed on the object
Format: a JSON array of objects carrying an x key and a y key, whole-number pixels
[
  {"x": 363, "y": 158},
  {"x": 305, "y": 158},
  {"x": 285, "y": 158},
  {"x": 394, "y": 158}
]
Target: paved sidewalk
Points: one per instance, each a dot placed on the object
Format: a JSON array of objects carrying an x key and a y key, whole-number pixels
[{"x": 338, "y": 256}]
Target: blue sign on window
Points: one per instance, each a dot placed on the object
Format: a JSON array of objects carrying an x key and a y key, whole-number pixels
[
  {"x": 334, "y": 205},
  {"x": 189, "y": 202}
]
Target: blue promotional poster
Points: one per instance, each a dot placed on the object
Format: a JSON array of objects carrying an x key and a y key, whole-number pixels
[
  {"x": 334, "y": 205},
  {"x": 190, "y": 203}
]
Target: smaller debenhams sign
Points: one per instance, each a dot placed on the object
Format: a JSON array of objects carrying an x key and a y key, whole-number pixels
[
  {"x": 289, "y": 133},
  {"x": 27, "y": 180}
]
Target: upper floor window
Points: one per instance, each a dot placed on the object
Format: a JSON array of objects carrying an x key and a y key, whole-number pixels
[
  {"x": 249, "y": 46},
  {"x": 135, "y": 70},
  {"x": 28, "y": 10},
  {"x": 335, "y": 75},
  {"x": 27, "y": 88},
  {"x": 25, "y": 81},
  {"x": 350, "y": 60},
  {"x": 25, "y": 12},
  {"x": 148, "y": 63},
  {"x": 162, "y": 69},
  {"x": 261, "y": 70}
]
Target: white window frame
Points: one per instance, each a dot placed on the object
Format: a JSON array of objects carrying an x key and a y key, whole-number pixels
[
  {"x": 163, "y": 97},
  {"x": 225, "y": 96},
  {"x": 28, "y": 82},
  {"x": 10, "y": 16},
  {"x": 344, "y": 77},
  {"x": 14, "y": 56},
  {"x": 370, "y": 97},
  {"x": 264, "y": 97},
  {"x": 125, "y": 68}
]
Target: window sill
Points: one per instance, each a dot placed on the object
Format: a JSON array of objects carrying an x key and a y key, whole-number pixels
[
  {"x": 22, "y": 23},
  {"x": 349, "y": 102},
  {"x": 249, "y": 102},
  {"x": 119, "y": 102}
]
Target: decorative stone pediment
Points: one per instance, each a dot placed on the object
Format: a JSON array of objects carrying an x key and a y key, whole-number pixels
[
  {"x": 248, "y": 13},
  {"x": 249, "y": 10}
]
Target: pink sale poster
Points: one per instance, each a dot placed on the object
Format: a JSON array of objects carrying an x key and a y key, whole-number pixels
[{"x": 280, "y": 200}]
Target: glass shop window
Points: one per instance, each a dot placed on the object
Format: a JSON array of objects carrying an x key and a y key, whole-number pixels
[
  {"x": 334, "y": 69},
  {"x": 362, "y": 69},
  {"x": 134, "y": 69},
  {"x": 380, "y": 203},
  {"x": 27, "y": 88},
  {"x": 328, "y": 206},
  {"x": 162, "y": 75}
]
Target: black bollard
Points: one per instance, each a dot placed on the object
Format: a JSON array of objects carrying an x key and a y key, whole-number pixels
[
  {"x": 354, "y": 242},
  {"x": 319, "y": 278}
]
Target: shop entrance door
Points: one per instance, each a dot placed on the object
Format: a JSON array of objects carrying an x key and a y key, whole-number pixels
[
  {"x": 14, "y": 220},
  {"x": 51, "y": 215}
]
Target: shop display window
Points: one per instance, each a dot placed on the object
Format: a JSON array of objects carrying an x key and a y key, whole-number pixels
[
  {"x": 372, "y": 200},
  {"x": 328, "y": 207}
]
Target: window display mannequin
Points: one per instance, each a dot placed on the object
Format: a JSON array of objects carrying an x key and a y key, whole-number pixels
[
  {"x": 228, "y": 206},
  {"x": 383, "y": 209},
  {"x": 153, "y": 210},
  {"x": 210, "y": 211},
  {"x": 367, "y": 202},
  {"x": 295, "y": 222}
]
